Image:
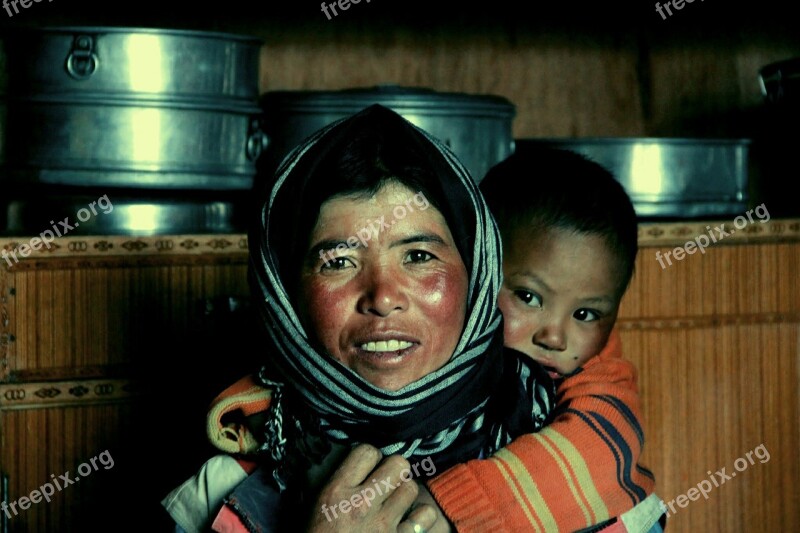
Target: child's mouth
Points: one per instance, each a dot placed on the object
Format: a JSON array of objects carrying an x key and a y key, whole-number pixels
[{"x": 552, "y": 372}]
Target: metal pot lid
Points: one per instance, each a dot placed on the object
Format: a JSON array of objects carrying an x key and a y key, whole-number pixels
[
  {"x": 138, "y": 30},
  {"x": 126, "y": 62},
  {"x": 396, "y": 97}
]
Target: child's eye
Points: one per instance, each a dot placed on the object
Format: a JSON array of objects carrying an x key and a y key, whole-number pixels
[
  {"x": 529, "y": 298},
  {"x": 337, "y": 263},
  {"x": 586, "y": 315},
  {"x": 418, "y": 256}
]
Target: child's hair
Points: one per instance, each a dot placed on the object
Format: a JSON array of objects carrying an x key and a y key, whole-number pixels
[{"x": 543, "y": 187}]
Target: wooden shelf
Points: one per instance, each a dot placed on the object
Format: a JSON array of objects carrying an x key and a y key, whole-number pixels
[{"x": 651, "y": 234}]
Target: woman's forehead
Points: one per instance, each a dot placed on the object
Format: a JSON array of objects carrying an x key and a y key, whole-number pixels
[
  {"x": 393, "y": 206},
  {"x": 392, "y": 189}
]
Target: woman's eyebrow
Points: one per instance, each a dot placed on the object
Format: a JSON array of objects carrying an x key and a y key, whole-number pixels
[{"x": 421, "y": 237}]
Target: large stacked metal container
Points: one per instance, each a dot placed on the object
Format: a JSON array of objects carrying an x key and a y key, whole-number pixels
[
  {"x": 669, "y": 178},
  {"x": 166, "y": 115},
  {"x": 476, "y": 127}
]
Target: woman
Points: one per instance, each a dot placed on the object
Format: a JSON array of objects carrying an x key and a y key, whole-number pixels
[{"x": 376, "y": 266}]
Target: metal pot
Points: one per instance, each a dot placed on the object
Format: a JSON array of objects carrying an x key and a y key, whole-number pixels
[
  {"x": 780, "y": 81},
  {"x": 671, "y": 178},
  {"x": 118, "y": 143},
  {"x": 136, "y": 108},
  {"x": 29, "y": 213},
  {"x": 478, "y": 128},
  {"x": 136, "y": 62},
  {"x": 776, "y": 141}
]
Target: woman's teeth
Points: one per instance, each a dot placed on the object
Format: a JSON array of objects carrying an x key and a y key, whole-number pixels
[{"x": 385, "y": 346}]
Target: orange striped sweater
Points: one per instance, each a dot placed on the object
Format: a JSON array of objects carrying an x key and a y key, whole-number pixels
[{"x": 579, "y": 471}]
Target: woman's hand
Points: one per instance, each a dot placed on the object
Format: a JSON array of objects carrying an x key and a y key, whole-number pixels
[
  {"x": 362, "y": 498},
  {"x": 424, "y": 497}
]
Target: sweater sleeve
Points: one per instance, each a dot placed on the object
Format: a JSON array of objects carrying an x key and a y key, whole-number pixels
[{"x": 579, "y": 471}]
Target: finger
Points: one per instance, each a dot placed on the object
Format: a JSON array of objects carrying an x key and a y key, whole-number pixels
[
  {"x": 392, "y": 471},
  {"x": 399, "y": 501},
  {"x": 357, "y": 466},
  {"x": 420, "y": 520}
]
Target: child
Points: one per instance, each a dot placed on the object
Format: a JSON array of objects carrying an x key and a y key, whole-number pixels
[
  {"x": 570, "y": 242},
  {"x": 569, "y": 235}
]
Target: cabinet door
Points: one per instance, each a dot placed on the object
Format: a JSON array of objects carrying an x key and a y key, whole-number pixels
[
  {"x": 716, "y": 339},
  {"x": 107, "y": 364}
]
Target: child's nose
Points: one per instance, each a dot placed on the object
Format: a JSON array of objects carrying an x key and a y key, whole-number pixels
[{"x": 551, "y": 336}]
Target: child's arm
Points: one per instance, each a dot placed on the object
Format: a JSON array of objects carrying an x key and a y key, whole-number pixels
[{"x": 579, "y": 471}]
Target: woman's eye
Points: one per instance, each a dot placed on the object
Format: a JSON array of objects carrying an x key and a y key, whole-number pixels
[
  {"x": 586, "y": 315},
  {"x": 529, "y": 298},
  {"x": 337, "y": 263},
  {"x": 418, "y": 256}
]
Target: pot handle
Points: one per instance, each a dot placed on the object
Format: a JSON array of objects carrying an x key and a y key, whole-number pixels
[
  {"x": 257, "y": 140},
  {"x": 82, "y": 61}
]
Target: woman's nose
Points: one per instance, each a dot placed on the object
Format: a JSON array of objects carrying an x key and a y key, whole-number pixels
[
  {"x": 551, "y": 336},
  {"x": 382, "y": 292}
]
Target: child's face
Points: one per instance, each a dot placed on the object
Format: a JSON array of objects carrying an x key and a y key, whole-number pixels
[{"x": 560, "y": 297}]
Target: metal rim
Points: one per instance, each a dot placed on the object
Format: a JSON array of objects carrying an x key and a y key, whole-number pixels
[
  {"x": 399, "y": 97},
  {"x": 143, "y": 30},
  {"x": 634, "y": 140}
]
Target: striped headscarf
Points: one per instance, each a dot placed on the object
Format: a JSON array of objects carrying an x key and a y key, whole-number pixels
[{"x": 455, "y": 413}]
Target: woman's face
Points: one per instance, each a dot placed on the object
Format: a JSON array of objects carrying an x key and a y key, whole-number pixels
[{"x": 383, "y": 287}]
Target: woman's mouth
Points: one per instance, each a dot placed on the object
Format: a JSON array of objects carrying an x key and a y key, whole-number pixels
[
  {"x": 392, "y": 345},
  {"x": 385, "y": 352}
]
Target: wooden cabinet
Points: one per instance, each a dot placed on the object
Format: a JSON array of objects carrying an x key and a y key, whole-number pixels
[
  {"x": 117, "y": 344},
  {"x": 716, "y": 338},
  {"x": 114, "y": 344}
]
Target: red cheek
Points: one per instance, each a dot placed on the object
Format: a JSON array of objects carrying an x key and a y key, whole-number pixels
[
  {"x": 324, "y": 306},
  {"x": 442, "y": 298}
]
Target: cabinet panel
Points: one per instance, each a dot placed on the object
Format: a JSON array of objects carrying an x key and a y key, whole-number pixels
[
  {"x": 711, "y": 396},
  {"x": 118, "y": 350},
  {"x": 107, "y": 452}
]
